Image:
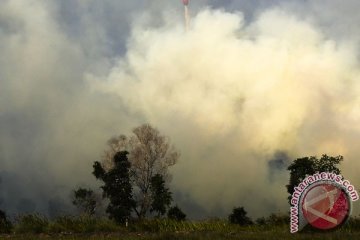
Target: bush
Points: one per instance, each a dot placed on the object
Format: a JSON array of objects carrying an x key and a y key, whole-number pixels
[
  {"x": 85, "y": 200},
  {"x": 31, "y": 223},
  {"x": 176, "y": 213},
  {"x": 5, "y": 224},
  {"x": 238, "y": 216}
]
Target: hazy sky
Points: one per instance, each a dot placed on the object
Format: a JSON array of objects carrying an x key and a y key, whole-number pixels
[{"x": 252, "y": 85}]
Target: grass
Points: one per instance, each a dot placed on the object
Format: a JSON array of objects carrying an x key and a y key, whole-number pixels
[
  {"x": 35, "y": 226},
  {"x": 270, "y": 235}
]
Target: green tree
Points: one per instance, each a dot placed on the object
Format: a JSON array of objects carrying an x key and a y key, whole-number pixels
[
  {"x": 117, "y": 187},
  {"x": 239, "y": 216},
  {"x": 150, "y": 154},
  {"x": 175, "y": 213},
  {"x": 306, "y": 166},
  {"x": 85, "y": 200},
  {"x": 161, "y": 196}
]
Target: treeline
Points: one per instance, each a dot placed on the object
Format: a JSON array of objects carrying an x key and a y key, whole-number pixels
[
  {"x": 134, "y": 176},
  {"x": 134, "y": 180}
]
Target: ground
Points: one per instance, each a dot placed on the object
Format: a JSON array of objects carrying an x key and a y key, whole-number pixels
[{"x": 276, "y": 234}]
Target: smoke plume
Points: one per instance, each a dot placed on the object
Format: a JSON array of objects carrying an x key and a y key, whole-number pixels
[
  {"x": 248, "y": 88},
  {"x": 238, "y": 93}
]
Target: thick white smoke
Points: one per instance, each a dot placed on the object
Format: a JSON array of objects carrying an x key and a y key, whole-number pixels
[
  {"x": 239, "y": 96},
  {"x": 232, "y": 94}
]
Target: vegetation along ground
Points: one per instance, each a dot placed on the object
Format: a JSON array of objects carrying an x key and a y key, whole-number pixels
[{"x": 67, "y": 227}]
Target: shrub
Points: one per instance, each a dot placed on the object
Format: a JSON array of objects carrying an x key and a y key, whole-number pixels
[
  {"x": 31, "y": 223},
  {"x": 5, "y": 224},
  {"x": 85, "y": 200},
  {"x": 176, "y": 213},
  {"x": 238, "y": 216}
]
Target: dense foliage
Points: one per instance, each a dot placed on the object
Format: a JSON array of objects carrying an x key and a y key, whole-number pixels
[
  {"x": 239, "y": 216},
  {"x": 302, "y": 167},
  {"x": 161, "y": 196},
  {"x": 117, "y": 187},
  {"x": 175, "y": 213}
]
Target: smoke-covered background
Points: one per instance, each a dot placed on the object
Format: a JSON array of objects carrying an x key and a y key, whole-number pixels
[{"x": 251, "y": 86}]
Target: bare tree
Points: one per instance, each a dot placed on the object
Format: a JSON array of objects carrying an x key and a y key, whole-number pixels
[{"x": 150, "y": 153}]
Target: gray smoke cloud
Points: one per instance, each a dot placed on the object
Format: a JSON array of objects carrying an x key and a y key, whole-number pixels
[{"x": 251, "y": 85}]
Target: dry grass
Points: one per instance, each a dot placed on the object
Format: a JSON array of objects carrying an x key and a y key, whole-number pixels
[{"x": 71, "y": 227}]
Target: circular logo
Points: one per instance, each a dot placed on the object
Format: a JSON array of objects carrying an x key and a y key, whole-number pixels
[{"x": 326, "y": 206}]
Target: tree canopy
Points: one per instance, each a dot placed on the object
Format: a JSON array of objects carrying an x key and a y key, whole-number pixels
[
  {"x": 117, "y": 187},
  {"x": 303, "y": 167},
  {"x": 239, "y": 216},
  {"x": 150, "y": 154},
  {"x": 161, "y": 196}
]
